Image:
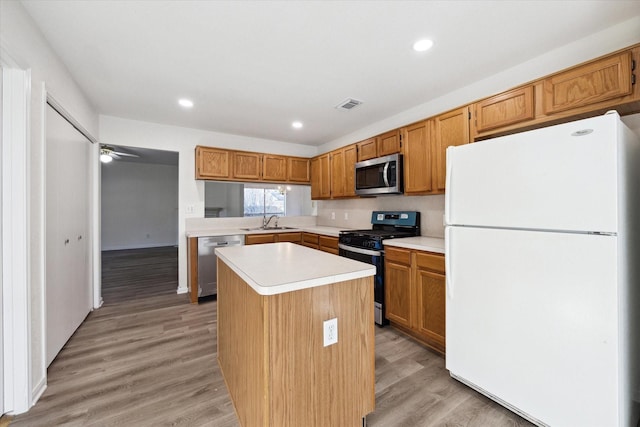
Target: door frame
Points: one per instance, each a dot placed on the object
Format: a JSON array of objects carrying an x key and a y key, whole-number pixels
[{"x": 16, "y": 333}]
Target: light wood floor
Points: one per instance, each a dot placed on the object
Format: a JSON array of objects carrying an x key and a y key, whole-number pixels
[{"x": 148, "y": 358}]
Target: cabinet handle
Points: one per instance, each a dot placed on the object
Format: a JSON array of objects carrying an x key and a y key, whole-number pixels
[
  {"x": 80, "y": 237},
  {"x": 66, "y": 241}
]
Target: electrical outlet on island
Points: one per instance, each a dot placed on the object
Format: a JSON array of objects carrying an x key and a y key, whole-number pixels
[{"x": 330, "y": 331}]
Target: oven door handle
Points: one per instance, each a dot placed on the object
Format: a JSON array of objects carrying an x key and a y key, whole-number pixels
[{"x": 359, "y": 250}]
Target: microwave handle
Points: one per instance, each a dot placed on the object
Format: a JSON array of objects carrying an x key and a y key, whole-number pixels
[{"x": 385, "y": 173}]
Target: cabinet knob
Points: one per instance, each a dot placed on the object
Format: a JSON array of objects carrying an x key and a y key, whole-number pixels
[
  {"x": 66, "y": 241},
  {"x": 80, "y": 237}
]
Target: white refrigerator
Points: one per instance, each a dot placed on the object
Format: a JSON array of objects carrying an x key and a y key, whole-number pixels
[{"x": 543, "y": 284}]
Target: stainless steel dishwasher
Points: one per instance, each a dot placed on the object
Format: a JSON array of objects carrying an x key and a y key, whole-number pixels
[{"x": 207, "y": 262}]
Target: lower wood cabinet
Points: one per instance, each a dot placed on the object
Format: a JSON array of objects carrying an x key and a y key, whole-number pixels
[
  {"x": 310, "y": 240},
  {"x": 255, "y": 239},
  {"x": 328, "y": 244},
  {"x": 321, "y": 242},
  {"x": 415, "y": 294}
]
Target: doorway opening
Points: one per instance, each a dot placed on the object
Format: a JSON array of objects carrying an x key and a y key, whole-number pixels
[{"x": 139, "y": 220}]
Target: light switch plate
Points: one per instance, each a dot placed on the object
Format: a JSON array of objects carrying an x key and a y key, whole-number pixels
[{"x": 330, "y": 331}]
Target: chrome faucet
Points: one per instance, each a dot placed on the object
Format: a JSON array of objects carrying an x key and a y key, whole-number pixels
[{"x": 265, "y": 221}]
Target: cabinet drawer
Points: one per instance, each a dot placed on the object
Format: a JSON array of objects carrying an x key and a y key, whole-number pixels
[
  {"x": 310, "y": 238},
  {"x": 430, "y": 261},
  {"x": 254, "y": 239},
  {"x": 290, "y": 237},
  {"x": 328, "y": 242},
  {"x": 402, "y": 256}
]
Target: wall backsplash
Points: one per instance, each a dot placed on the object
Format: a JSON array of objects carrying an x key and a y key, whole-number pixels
[{"x": 358, "y": 211}]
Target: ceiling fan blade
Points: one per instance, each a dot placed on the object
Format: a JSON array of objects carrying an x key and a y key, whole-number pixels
[
  {"x": 124, "y": 154},
  {"x": 114, "y": 155}
]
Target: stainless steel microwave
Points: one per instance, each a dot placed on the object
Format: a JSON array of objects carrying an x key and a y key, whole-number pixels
[{"x": 382, "y": 175}]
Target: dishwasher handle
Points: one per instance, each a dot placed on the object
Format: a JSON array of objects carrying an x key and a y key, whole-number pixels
[{"x": 217, "y": 244}]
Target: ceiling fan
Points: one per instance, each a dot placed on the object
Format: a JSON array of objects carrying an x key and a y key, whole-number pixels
[{"x": 108, "y": 153}]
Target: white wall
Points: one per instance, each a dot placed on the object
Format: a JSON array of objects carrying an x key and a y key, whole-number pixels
[
  {"x": 20, "y": 38},
  {"x": 131, "y": 133},
  {"x": 432, "y": 207},
  {"x": 139, "y": 205},
  {"x": 617, "y": 37}
]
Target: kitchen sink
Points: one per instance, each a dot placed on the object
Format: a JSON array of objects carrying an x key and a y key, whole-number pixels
[{"x": 268, "y": 228}]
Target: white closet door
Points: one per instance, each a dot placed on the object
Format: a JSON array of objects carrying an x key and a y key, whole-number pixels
[{"x": 67, "y": 281}]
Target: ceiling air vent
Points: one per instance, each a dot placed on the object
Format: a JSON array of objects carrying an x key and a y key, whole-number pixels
[{"x": 348, "y": 104}]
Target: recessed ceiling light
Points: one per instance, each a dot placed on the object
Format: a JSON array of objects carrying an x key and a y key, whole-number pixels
[
  {"x": 422, "y": 45},
  {"x": 296, "y": 125},
  {"x": 186, "y": 103}
]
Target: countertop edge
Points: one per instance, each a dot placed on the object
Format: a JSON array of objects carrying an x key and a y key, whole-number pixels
[
  {"x": 324, "y": 230},
  {"x": 427, "y": 244},
  {"x": 299, "y": 285}
]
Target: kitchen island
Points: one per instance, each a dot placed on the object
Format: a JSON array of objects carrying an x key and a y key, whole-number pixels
[{"x": 273, "y": 302}]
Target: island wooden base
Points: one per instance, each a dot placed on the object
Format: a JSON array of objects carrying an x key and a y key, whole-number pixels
[{"x": 270, "y": 350}]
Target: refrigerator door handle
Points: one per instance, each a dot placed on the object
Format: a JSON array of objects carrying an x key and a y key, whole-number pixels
[
  {"x": 447, "y": 263},
  {"x": 447, "y": 192}
]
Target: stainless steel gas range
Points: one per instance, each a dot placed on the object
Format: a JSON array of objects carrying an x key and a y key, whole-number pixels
[{"x": 366, "y": 246}]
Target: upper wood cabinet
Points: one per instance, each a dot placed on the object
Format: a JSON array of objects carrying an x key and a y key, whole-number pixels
[
  {"x": 336, "y": 160},
  {"x": 507, "y": 108},
  {"x": 213, "y": 163},
  {"x": 596, "y": 81},
  {"x": 350, "y": 160},
  {"x": 298, "y": 169},
  {"x": 381, "y": 145},
  {"x": 451, "y": 129},
  {"x": 343, "y": 163},
  {"x": 220, "y": 164},
  {"x": 419, "y": 166},
  {"x": 388, "y": 143},
  {"x": 246, "y": 165},
  {"x": 320, "y": 177},
  {"x": 274, "y": 168},
  {"x": 367, "y": 149}
]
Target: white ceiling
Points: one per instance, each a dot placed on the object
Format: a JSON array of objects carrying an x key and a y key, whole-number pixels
[{"x": 253, "y": 67}]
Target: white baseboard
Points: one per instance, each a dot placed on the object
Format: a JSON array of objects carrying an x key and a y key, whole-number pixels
[
  {"x": 38, "y": 390},
  {"x": 183, "y": 290}
]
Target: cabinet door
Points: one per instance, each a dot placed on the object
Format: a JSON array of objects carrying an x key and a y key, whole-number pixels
[
  {"x": 316, "y": 178},
  {"x": 246, "y": 165},
  {"x": 337, "y": 173},
  {"x": 298, "y": 170},
  {"x": 418, "y": 159},
  {"x": 325, "y": 177},
  {"x": 504, "y": 109},
  {"x": 213, "y": 163},
  {"x": 274, "y": 168},
  {"x": 593, "y": 82},
  {"x": 452, "y": 129},
  {"x": 388, "y": 143},
  {"x": 431, "y": 307},
  {"x": 367, "y": 149},
  {"x": 350, "y": 159},
  {"x": 397, "y": 292},
  {"x": 255, "y": 239}
]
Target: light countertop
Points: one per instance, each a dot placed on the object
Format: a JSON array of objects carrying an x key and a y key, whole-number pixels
[
  {"x": 430, "y": 244},
  {"x": 275, "y": 268},
  {"x": 317, "y": 229}
]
